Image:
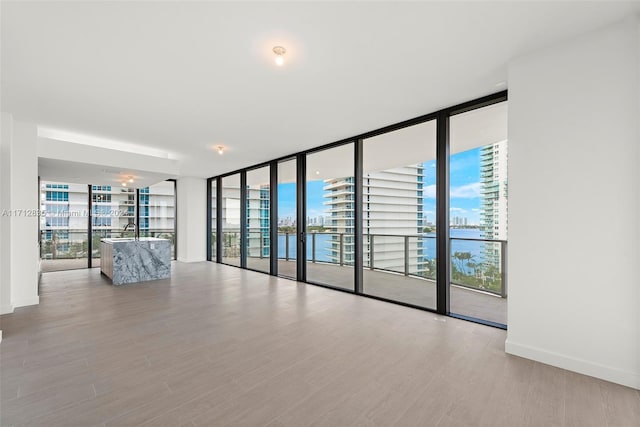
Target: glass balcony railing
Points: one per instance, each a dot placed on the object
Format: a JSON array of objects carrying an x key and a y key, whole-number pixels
[
  {"x": 74, "y": 244},
  {"x": 478, "y": 264},
  {"x": 64, "y": 244}
]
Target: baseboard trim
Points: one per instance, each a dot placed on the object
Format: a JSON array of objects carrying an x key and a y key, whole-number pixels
[
  {"x": 26, "y": 302},
  {"x": 607, "y": 373},
  {"x": 6, "y": 309},
  {"x": 190, "y": 260}
]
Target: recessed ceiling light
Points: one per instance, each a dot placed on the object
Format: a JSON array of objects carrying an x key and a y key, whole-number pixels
[
  {"x": 220, "y": 149},
  {"x": 130, "y": 179},
  {"x": 279, "y": 51},
  {"x": 317, "y": 172},
  {"x": 124, "y": 184}
]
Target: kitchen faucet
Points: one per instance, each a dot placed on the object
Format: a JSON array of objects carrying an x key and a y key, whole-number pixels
[{"x": 135, "y": 229}]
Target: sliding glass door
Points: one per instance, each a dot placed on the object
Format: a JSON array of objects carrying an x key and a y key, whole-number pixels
[
  {"x": 64, "y": 238},
  {"x": 257, "y": 211},
  {"x": 413, "y": 213},
  {"x": 478, "y": 219},
  {"x": 399, "y": 215},
  {"x": 330, "y": 217},
  {"x": 287, "y": 218},
  {"x": 231, "y": 235}
]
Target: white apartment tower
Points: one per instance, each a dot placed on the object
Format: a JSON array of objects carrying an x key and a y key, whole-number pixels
[
  {"x": 258, "y": 222},
  {"x": 493, "y": 214},
  {"x": 392, "y": 211},
  {"x": 65, "y": 214}
]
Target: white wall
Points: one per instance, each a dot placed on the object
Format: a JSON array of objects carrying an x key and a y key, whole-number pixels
[
  {"x": 574, "y": 186},
  {"x": 19, "y": 197},
  {"x": 192, "y": 219},
  {"x": 5, "y": 221}
]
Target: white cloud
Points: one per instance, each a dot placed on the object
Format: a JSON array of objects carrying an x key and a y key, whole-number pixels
[
  {"x": 467, "y": 191},
  {"x": 460, "y": 210},
  {"x": 430, "y": 191}
]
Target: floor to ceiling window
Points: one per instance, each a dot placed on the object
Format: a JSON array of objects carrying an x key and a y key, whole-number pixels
[
  {"x": 112, "y": 209},
  {"x": 478, "y": 218},
  {"x": 231, "y": 235},
  {"x": 413, "y": 213},
  {"x": 330, "y": 216},
  {"x": 64, "y": 239},
  {"x": 287, "y": 218},
  {"x": 258, "y": 242},
  {"x": 157, "y": 217},
  {"x": 399, "y": 190},
  {"x": 213, "y": 219},
  {"x": 77, "y": 216}
]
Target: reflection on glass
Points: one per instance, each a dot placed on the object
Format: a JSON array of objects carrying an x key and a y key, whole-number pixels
[
  {"x": 257, "y": 210},
  {"x": 399, "y": 215},
  {"x": 157, "y": 212},
  {"x": 63, "y": 226},
  {"x": 478, "y": 216},
  {"x": 214, "y": 223},
  {"x": 330, "y": 211},
  {"x": 231, "y": 220},
  {"x": 287, "y": 200}
]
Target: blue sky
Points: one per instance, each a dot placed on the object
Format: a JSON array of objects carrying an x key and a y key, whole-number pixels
[
  {"x": 464, "y": 182},
  {"x": 287, "y": 199}
]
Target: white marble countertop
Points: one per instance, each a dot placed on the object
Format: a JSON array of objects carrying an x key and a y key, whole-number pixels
[{"x": 131, "y": 239}]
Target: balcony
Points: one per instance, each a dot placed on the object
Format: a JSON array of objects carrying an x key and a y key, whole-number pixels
[
  {"x": 69, "y": 249},
  {"x": 400, "y": 268}
]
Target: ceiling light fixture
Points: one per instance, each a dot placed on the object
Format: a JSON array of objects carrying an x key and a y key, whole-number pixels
[
  {"x": 220, "y": 149},
  {"x": 279, "y": 51},
  {"x": 130, "y": 179},
  {"x": 124, "y": 184}
]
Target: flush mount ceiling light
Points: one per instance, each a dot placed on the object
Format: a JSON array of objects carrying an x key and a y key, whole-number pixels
[
  {"x": 220, "y": 149},
  {"x": 279, "y": 51}
]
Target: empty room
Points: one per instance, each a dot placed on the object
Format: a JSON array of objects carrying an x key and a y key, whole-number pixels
[{"x": 303, "y": 213}]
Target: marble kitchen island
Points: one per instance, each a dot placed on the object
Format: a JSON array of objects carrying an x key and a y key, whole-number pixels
[{"x": 129, "y": 260}]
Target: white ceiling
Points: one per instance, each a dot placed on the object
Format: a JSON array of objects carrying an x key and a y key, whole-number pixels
[
  {"x": 182, "y": 77},
  {"x": 95, "y": 174}
]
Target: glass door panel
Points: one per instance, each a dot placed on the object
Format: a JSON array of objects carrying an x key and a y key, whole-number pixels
[
  {"x": 399, "y": 215},
  {"x": 330, "y": 215}
]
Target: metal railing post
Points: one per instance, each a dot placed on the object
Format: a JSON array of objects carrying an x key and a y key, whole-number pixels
[
  {"x": 371, "y": 251},
  {"x": 341, "y": 248},
  {"x": 313, "y": 247},
  {"x": 406, "y": 255},
  {"x": 286, "y": 245}
]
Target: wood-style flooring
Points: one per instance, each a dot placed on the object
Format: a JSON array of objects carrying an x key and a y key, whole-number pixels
[{"x": 216, "y": 345}]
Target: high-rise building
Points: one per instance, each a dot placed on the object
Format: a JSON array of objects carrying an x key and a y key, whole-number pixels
[
  {"x": 258, "y": 222},
  {"x": 63, "y": 224},
  {"x": 392, "y": 209},
  {"x": 493, "y": 213},
  {"x": 157, "y": 208}
]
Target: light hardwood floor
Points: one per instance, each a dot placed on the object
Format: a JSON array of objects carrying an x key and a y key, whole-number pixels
[{"x": 216, "y": 346}]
